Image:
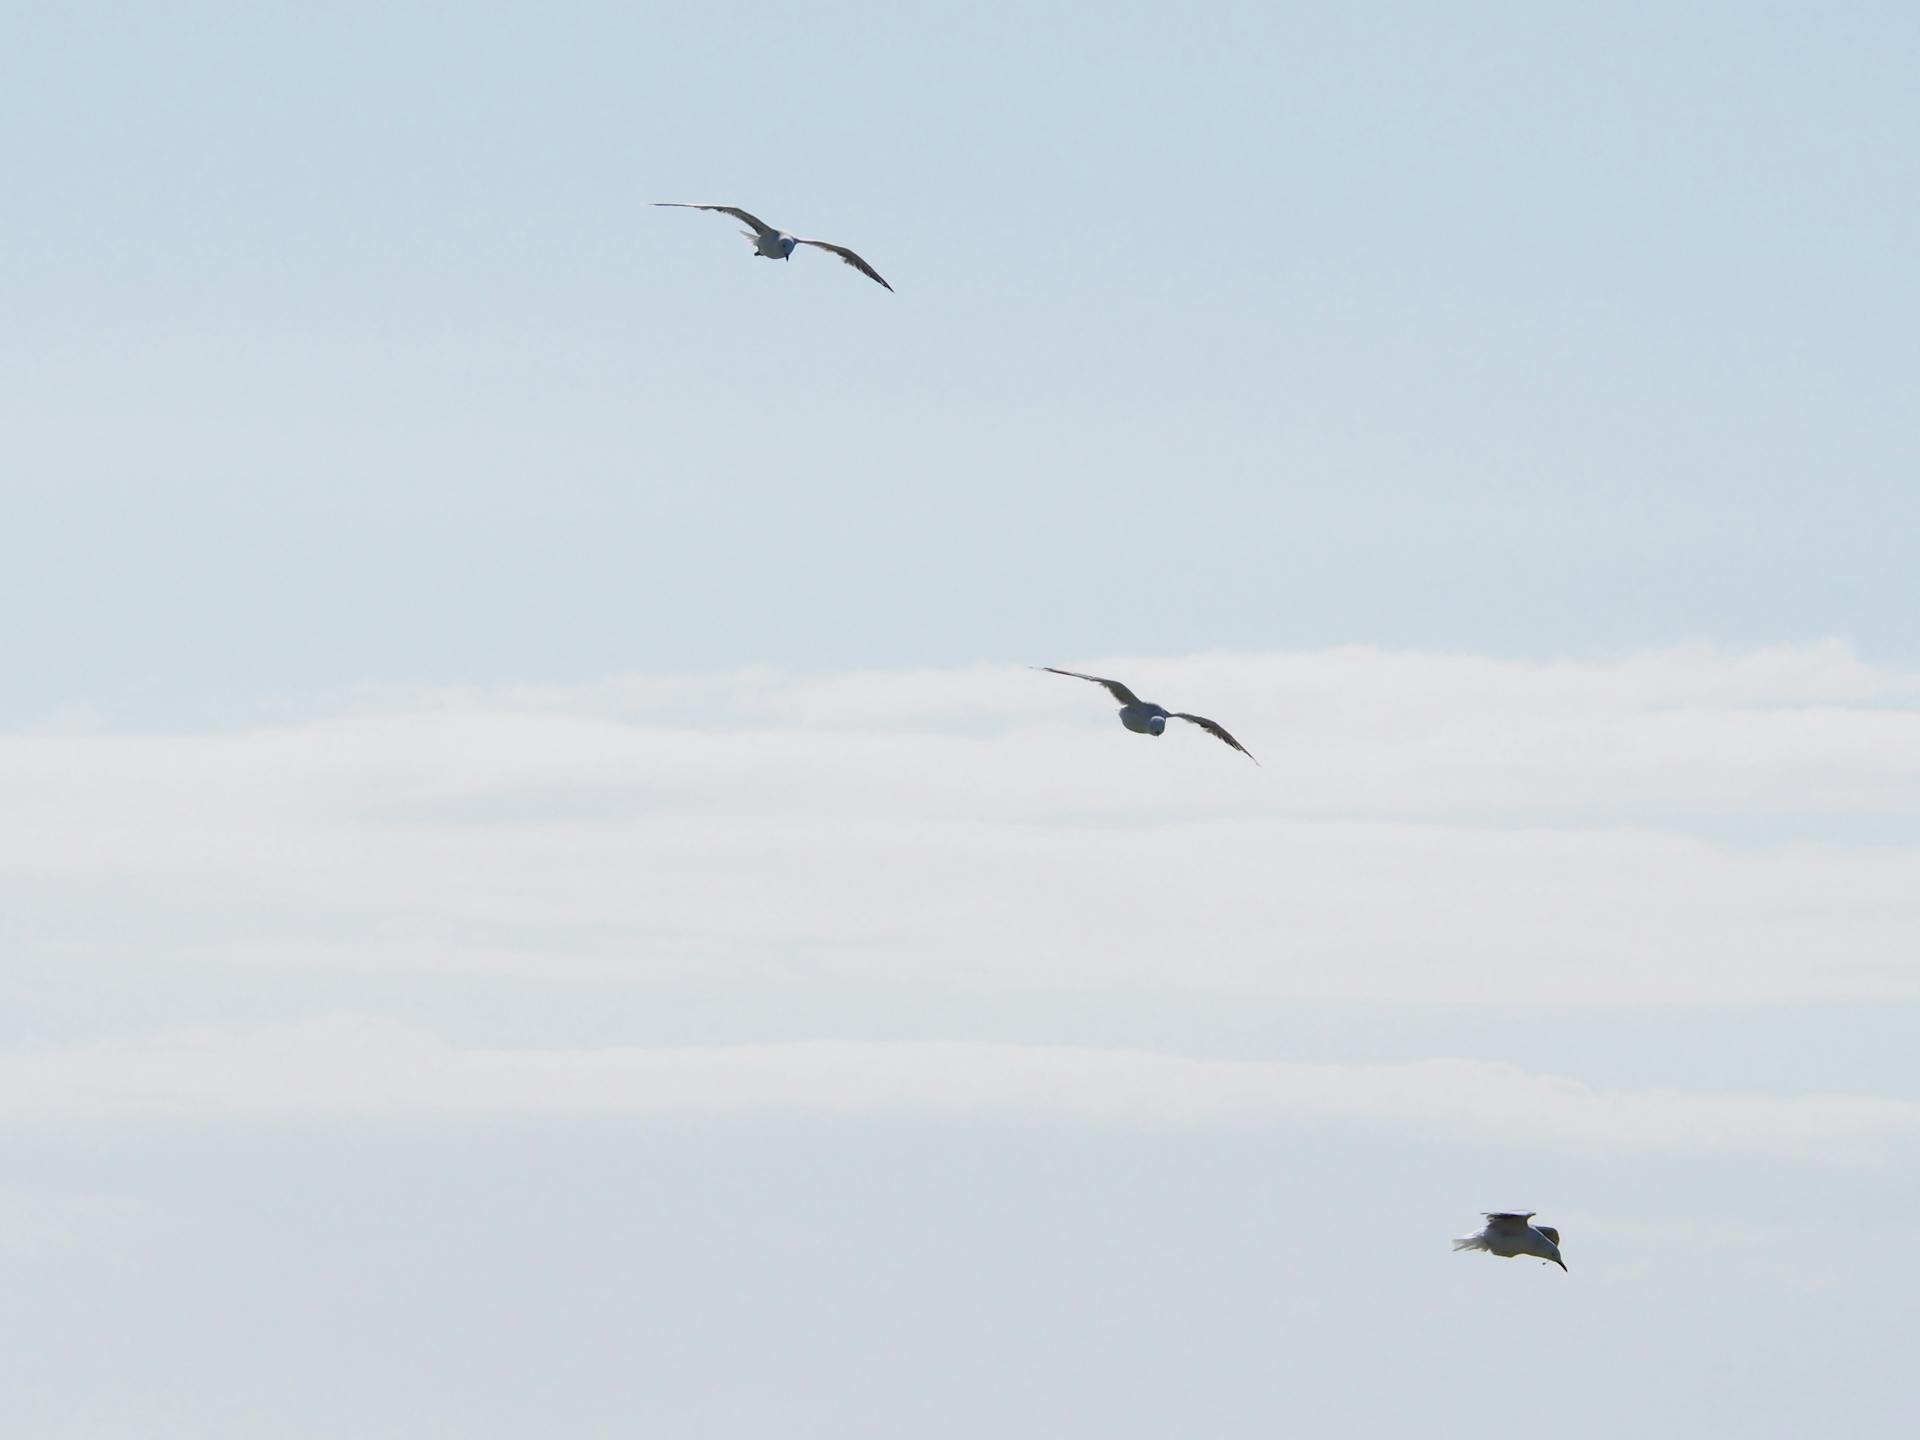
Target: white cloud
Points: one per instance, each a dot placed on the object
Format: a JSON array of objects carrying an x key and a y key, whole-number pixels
[
  {"x": 1425, "y": 827},
  {"x": 348, "y": 1066}
]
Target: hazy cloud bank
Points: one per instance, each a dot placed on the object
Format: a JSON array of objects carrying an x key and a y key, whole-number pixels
[{"x": 1676, "y": 826}]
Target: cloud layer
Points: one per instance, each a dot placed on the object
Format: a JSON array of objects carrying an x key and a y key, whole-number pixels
[
  {"x": 354, "y": 1067},
  {"x": 1677, "y": 826},
  {"x": 919, "y": 1026}
]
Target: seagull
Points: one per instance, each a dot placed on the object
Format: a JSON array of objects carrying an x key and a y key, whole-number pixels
[
  {"x": 1509, "y": 1234},
  {"x": 1144, "y": 718},
  {"x": 773, "y": 244}
]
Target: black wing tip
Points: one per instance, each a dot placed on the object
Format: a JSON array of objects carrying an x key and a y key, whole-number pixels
[
  {"x": 865, "y": 269},
  {"x": 1219, "y": 732},
  {"x": 1078, "y": 675}
]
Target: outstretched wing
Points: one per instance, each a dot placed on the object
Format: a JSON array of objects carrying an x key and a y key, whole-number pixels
[
  {"x": 847, "y": 255},
  {"x": 1216, "y": 730},
  {"x": 1508, "y": 1221},
  {"x": 1114, "y": 687},
  {"x": 760, "y": 227}
]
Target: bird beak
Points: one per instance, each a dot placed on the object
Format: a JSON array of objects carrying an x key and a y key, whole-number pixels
[{"x": 1562, "y": 1264}]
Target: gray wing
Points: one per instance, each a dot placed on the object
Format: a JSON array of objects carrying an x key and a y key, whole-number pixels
[
  {"x": 1216, "y": 730},
  {"x": 1551, "y": 1234},
  {"x": 1114, "y": 687},
  {"x": 847, "y": 255},
  {"x": 1508, "y": 1220},
  {"x": 760, "y": 226}
]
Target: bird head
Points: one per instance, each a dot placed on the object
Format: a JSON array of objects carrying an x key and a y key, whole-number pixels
[
  {"x": 1552, "y": 1237},
  {"x": 1157, "y": 724}
]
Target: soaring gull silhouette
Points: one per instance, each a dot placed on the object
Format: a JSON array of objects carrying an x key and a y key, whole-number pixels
[
  {"x": 1508, "y": 1233},
  {"x": 775, "y": 244},
  {"x": 1145, "y": 718}
]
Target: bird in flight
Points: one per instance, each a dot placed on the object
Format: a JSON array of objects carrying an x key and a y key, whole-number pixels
[
  {"x": 1508, "y": 1233},
  {"x": 775, "y": 244},
  {"x": 1145, "y": 718}
]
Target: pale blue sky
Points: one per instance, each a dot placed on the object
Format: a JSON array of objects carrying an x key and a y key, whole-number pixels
[
  {"x": 538, "y": 895},
  {"x": 341, "y": 345}
]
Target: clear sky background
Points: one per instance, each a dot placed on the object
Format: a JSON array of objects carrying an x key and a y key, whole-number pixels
[{"x": 538, "y": 897}]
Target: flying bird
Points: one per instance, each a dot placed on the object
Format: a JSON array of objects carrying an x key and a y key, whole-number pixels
[
  {"x": 772, "y": 244},
  {"x": 1508, "y": 1233},
  {"x": 1145, "y": 718}
]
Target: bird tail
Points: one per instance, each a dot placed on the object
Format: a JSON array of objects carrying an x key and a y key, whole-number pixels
[{"x": 1470, "y": 1242}]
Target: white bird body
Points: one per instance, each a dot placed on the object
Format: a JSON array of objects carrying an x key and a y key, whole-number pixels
[
  {"x": 775, "y": 244},
  {"x": 1509, "y": 1233},
  {"x": 1143, "y": 717}
]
